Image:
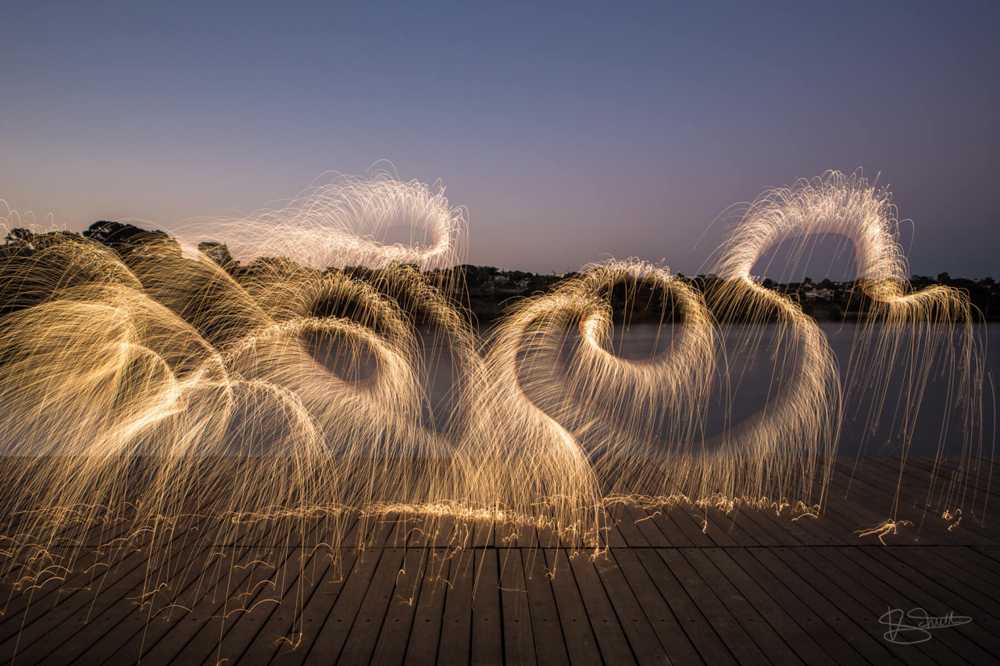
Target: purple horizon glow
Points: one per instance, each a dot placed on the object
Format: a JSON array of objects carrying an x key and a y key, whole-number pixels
[{"x": 571, "y": 135}]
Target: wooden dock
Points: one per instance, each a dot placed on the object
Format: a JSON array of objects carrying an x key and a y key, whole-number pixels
[{"x": 675, "y": 586}]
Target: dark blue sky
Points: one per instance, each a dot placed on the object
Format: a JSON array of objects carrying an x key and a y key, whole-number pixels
[{"x": 571, "y": 134}]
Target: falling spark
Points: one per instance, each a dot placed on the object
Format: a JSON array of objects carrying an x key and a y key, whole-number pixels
[{"x": 152, "y": 400}]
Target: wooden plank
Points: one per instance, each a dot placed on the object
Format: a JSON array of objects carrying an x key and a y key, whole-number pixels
[
  {"x": 284, "y": 629},
  {"x": 953, "y": 589},
  {"x": 86, "y": 618},
  {"x": 871, "y": 599},
  {"x": 689, "y": 521},
  {"x": 760, "y": 522},
  {"x": 852, "y": 598},
  {"x": 650, "y": 530},
  {"x": 612, "y": 536},
  {"x": 86, "y": 585},
  {"x": 70, "y": 597},
  {"x": 359, "y": 643},
  {"x": 976, "y": 564},
  {"x": 803, "y": 599},
  {"x": 916, "y": 482},
  {"x": 390, "y": 647},
  {"x": 624, "y": 517},
  {"x": 762, "y": 633},
  {"x": 992, "y": 553},
  {"x": 604, "y": 620},
  {"x": 673, "y": 536},
  {"x": 487, "y": 618},
  {"x": 328, "y": 572},
  {"x": 848, "y": 517},
  {"x": 143, "y": 628},
  {"x": 927, "y": 528},
  {"x": 174, "y": 545},
  {"x": 80, "y": 631},
  {"x": 652, "y": 630},
  {"x": 443, "y": 533},
  {"x": 550, "y": 645},
  {"x": 696, "y": 626},
  {"x": 770, "y": 530},
  {"x": 758, "y": 593},
  {"x": 978, "y": 477},
  {"x": 966, "y": 640},
  {"x": 954, "y": 565},
  {"x": 482, "y": 534},
  {"x": 756, "y": 588},
  {"x": 253, "y": 596},
  {"x": 329, "y": 583},
  {"x": 580, "y": 642},
  {"x": 712, "y": 609},
  {"x": 456, "y": 629},
  {"x": 88, "y": 565},
  {"x": 422, "y": 645},
  {"x": 263, "y": 616},
  {"x": 721, "y": 529},
  {"x": 331, "y": 636},
  {"x": 519, "y": 642}
]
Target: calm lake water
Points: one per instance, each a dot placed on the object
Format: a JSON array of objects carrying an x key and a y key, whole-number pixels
[
  {"x": 753, "y": 382},
  {"x": 753, "y": 379}
]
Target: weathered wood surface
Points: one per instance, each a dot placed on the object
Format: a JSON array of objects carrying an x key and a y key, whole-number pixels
[{"x": 676, "y": 585}]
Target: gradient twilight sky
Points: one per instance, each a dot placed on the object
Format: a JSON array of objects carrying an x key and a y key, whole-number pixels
[{"x": 572, "y": 134}]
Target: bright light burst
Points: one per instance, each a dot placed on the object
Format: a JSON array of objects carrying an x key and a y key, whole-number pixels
[{"x": 147, "y": 387}]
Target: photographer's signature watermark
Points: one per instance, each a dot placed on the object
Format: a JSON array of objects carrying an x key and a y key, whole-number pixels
[{"x": 915, "y": 625}]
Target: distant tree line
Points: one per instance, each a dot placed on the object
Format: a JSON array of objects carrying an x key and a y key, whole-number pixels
[{"x": 487, "y": 291}]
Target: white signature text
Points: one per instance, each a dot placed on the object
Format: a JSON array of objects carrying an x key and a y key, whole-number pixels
[{"x": 915, "y": 625}]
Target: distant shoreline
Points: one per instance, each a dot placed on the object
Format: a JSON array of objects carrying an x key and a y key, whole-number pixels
[{"x": 486, "y": 292}]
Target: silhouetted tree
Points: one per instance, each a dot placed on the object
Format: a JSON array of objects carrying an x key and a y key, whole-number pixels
[
  {"x": 125, "y": 238},
  {"x": 19, "y": 235},
  {"x": 217, "y": 252}
]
